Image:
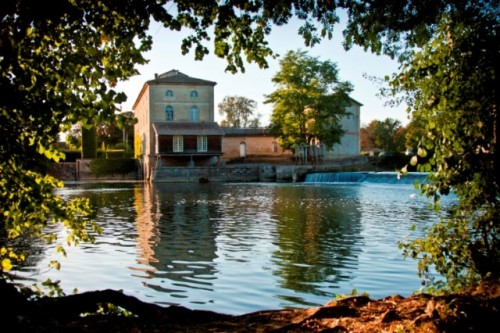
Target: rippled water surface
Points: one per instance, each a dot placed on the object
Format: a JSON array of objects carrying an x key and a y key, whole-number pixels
[{"x": 239, "y": 248}]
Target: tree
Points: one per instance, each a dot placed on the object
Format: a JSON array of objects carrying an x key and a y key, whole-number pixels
[
  {"x": 309, "y": 101},
  {"x": 74, "y": 137},
  {"x": 365, "y": 138},
  {"x": 118, "y": 133},
  {"x": 238, "y": 112},
  {"x": 415, "y": 132},
  {"x": 450, "y": 85},
  {"x": 386, "y": 134},
  {"x": 89, "y": 141}
]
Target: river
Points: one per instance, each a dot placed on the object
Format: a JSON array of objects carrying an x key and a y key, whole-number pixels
[{"x": 241, "y": 247}]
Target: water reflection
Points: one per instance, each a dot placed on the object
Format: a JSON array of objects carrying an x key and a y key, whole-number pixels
[
  {"x": 190, "y": 233},
  {"x": 186, "y": 249},
  {"x": 319, "y": 237},
  {"x": 238, "y": 248}
]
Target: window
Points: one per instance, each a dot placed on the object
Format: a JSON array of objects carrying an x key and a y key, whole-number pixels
[
  {"x": 202, "y": 143},
  {"x": 169, "y": 113},
  {"x": 194, "y": 113},
  {"x": 194, "y": 93},
  {"x": 274, "y": 147},
  {"x": 169, "y": 93},
  {"x": 178, "y": 143}
]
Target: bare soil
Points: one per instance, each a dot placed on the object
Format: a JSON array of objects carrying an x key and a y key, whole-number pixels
[{"x": 475, "y": 310}]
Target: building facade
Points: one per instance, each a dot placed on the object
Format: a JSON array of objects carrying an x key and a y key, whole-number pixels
[
  {"x": 247, "y": 143},
  {"x": 350, "y": 144},
  {"x": 176, "y": 126}
]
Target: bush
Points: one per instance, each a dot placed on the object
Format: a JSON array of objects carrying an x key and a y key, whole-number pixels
[
  {"x": 116, "y": 153},
  {"x": 103, "y": 167}
]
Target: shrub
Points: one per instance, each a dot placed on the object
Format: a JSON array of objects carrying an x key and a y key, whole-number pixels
[{"x": 102, "y": 167}]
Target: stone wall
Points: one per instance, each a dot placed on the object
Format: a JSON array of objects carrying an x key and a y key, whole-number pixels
[
  {"x": 64, "y": 170},
  {"x": 80, "y": 170},
  {"x": 207, "y": 174},
  {"x": 261, "y": 172}
]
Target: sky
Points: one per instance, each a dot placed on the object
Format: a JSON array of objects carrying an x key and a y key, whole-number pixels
[{"x": 255, "y": 83}]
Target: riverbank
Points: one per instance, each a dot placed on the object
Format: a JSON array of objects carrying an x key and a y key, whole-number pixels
[{"x": 474, "y": 310}]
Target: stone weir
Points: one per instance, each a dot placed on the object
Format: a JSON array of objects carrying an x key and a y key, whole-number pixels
[{"x": 237, "y": 173}]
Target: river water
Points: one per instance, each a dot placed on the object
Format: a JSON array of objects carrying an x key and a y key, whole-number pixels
[{"x": 239, "y": 248}]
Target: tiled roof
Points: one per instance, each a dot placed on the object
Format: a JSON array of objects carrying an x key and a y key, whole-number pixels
[
  {"x": 174, "y": 76},
  {"x": 234, "y": 131},
  {"x": 187, "y": 128}
]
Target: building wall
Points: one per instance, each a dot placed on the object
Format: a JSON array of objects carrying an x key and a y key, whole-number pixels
[
  {"x": 142, "y": 131},
  {"x": 263, "y": 145},
  {"x": 181, "y": 102},
  {"x": 350, "y": 142},
  {"x": 255, "y": 145},
  {"x": 151, "y": 105}
]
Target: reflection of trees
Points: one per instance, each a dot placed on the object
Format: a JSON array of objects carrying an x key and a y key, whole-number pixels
[
  {"x": 109, "y": 200},
  {"x": 183, "y": 247},
  {"x": 112, "y": 211},
  {"x": 319, "y": 233}
]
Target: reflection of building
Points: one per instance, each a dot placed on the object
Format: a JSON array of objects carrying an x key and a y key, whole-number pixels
[
  {"x": 175, "y": 114},
  {"x": 148, "y": 216},
  {"x": 176, "y": 238}
]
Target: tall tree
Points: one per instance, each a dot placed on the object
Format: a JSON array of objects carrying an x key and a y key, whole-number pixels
[
  {"x": 309, "y": 101},
  {"x": 120, "y": 131},
  {"x": 238, "y": 112},
  {"x": 415, "y": 132},
  {"x": 89, "y": 141},
  {"x": 451, "y": 87},
  {"x": 384, "y": 134}
]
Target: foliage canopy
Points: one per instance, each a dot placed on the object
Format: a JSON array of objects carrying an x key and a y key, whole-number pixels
[
  {"x": 238, "y": 112},
  {"x": 309, "y": 101},
  {"x": 384, "y": 134},
  {"x": 451, "y": 86}
]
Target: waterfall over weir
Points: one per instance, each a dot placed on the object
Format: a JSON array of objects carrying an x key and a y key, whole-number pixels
[{"x": 366, "y": 177}]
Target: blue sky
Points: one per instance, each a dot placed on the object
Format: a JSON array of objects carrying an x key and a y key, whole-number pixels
[{"x": 255, "y": 83}]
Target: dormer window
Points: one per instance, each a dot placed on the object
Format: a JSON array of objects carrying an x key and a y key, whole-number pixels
[
  {"x": 194, "y": 93},
  {"x": 169, "y": 93}
]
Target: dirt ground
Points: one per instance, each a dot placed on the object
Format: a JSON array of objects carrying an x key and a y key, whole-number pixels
[{"x": 476, "y": 310}]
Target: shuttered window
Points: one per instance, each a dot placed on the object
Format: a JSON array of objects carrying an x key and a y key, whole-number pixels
[{"x": 178, "y": 143}]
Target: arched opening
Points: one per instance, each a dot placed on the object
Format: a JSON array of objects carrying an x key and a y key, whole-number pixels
[{"x": 243, "y": 149}]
